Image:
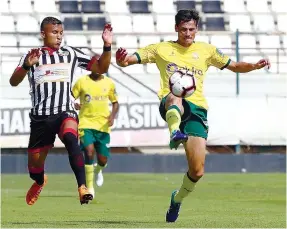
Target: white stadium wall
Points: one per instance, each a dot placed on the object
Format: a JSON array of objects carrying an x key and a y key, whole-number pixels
[{"x": 232, "y": 121}]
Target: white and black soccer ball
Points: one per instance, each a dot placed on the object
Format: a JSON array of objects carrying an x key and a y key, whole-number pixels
[{"x": 182, "y": 84}]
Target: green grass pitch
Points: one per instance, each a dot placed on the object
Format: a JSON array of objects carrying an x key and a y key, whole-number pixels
[{"x": 141, "y": 200}]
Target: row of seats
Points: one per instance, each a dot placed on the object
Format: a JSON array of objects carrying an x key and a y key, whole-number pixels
[
  {"x": 141, "y": 6},
  {"x": 148, "y": 23},
  {"x": 247, "y": 43}
]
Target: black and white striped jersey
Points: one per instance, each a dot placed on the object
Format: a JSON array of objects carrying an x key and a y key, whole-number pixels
[{"x": 51, "y": 79}]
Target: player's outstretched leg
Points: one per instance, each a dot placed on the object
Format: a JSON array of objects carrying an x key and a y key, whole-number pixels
[
  {"x": 76, "y": 159},
  {"x": 36, "y": 162},
  {"x": 195, "y": 153}
]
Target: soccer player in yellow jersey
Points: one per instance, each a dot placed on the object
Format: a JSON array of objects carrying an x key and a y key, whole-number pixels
[
  {"x": 95, "y": 93},
  {"x": 186, "y": 118}
]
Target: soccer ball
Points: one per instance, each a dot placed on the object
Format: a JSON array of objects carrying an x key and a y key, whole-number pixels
[{"x": 182, "y": 84}]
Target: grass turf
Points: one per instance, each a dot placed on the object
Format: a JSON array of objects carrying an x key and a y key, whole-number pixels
[{"x": 141, "y": 200}]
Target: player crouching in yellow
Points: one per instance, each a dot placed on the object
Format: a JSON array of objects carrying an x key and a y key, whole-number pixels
[{"x": 95, "y": 91}]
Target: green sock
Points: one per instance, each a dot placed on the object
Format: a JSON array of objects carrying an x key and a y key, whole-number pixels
[
  {"x": 186, "y": 188},
  {"x": 173, "y": 118},
  {"x": 89, "y": 169},
  {"x": 98, "y": 168}
]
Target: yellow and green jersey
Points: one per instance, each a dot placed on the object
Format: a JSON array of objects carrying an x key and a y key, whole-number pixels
[
  {"x": 170, "y": 57},
  {"x": 95, "y": 96}
]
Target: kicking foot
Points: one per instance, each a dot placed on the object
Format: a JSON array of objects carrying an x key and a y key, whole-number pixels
[
  {"x": 34, "y": 191},
  {"x": 176, "y": 139},
  {"x": 172, "y": 212},
  {"x": 84, "y": 194}
]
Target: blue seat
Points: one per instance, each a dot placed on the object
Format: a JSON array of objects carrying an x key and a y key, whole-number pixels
[
  {"x": 68, "y": 6},
  {"x": 215, "y": 24},
  {"x": 96, "y": 23},
  {"x": 73, "y": 23},
  {"x": 91, "y": 6},
  {"x": 139, "y": 7},
  {"x": 185, "y": 5},
  {"x": 211, "y": 6}
]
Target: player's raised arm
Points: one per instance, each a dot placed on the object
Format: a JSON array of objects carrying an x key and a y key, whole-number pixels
[
  {"x": 24, "y": 66},
  {"x": 102, "y": 64},
  {"x": 243, "y": 67}
]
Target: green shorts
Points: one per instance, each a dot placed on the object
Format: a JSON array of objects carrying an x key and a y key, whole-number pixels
[
  {"x": 101, "y": 140},
  {"x": 193, "y": 121}
]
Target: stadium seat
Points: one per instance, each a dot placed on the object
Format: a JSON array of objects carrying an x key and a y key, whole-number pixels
[
  {"x": 215, "y": 24},
  {"x": 170, "y": 38},
  {"x": 8, "y": 40},
  {"x": 229, "y": 6},
  {"x": 23, "y": 21},
  {"x": 73, "y": 23},
  {"x": 121, "y": 24},
  {"x": 264, "y": 23},
  {"x": 97, "y": 43},
  {"x": 139, "y": 7},
  {"x": 240, "y": 22},
  {"x": 254, "y": 7},
  {"x": 91, "y": 6},
  {"x": 202, "y": 38},
  {"x": 165, "y": 23},
  {"x": 4, "y": 7},
  {"x": 269, "y": 44},
  {"x": 8, "y": 26},
  {"x": 129, "y": 42},
  {"x": 48, "y": 7},
  {"x": 152, "y": 69},
  {"x": 247, "y": 44},
  {"x": 285, "y": 42},
  {"x": 24, "y": 7},
  {"x": 147, "y": 40},
  {"x": 28, "y": 42},
  {"x": 76, "y": 40},
  {"x": 134, "y": 69},
  {"x": 279, "y": 6},
  {"x": 68, "y": 6},
  {"x": 96, "y": 23},
  {"x": 180, "y": 5},
  {"x": 163, "y": 6},
  {"x": 281, "y": 23},
  {"x": 222, "y": 42},
  {"x": 211, "y": 6},
  {"x": 143, "y": 23},
  {"x": 118, "y": 6}
]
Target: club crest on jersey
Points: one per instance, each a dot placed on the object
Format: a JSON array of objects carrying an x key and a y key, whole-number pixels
[
  {"x": 63, "y": 53},
  {"x": 87, "y": 98},
  {"x": 195, "y": 56}
]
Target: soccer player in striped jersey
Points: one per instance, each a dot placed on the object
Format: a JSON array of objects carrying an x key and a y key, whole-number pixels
[
  {"x": 186, "y": 118},
  {"x": 50, "y": 71}
]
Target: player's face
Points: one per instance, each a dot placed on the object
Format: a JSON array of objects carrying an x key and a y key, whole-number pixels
[
  {"x": 52, "y": 35},
  {"x": 186, "y": 32}
]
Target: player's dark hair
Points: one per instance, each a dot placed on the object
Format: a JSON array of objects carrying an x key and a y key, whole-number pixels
[
  {"x": 50, "y": 20},
  {"x": 186, "y": 15}
]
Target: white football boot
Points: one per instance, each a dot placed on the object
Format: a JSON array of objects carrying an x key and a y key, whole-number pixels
[{"x": 99, "y": 177}]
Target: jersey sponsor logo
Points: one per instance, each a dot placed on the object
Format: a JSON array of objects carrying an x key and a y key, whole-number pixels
[
  {"x": 71, "y": 115},
  {"x": 172, "y": 67},
  {"x": 52, "y": 73}
]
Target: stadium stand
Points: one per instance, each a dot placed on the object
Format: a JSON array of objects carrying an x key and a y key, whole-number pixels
[{"x": 139, "y": 23}]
